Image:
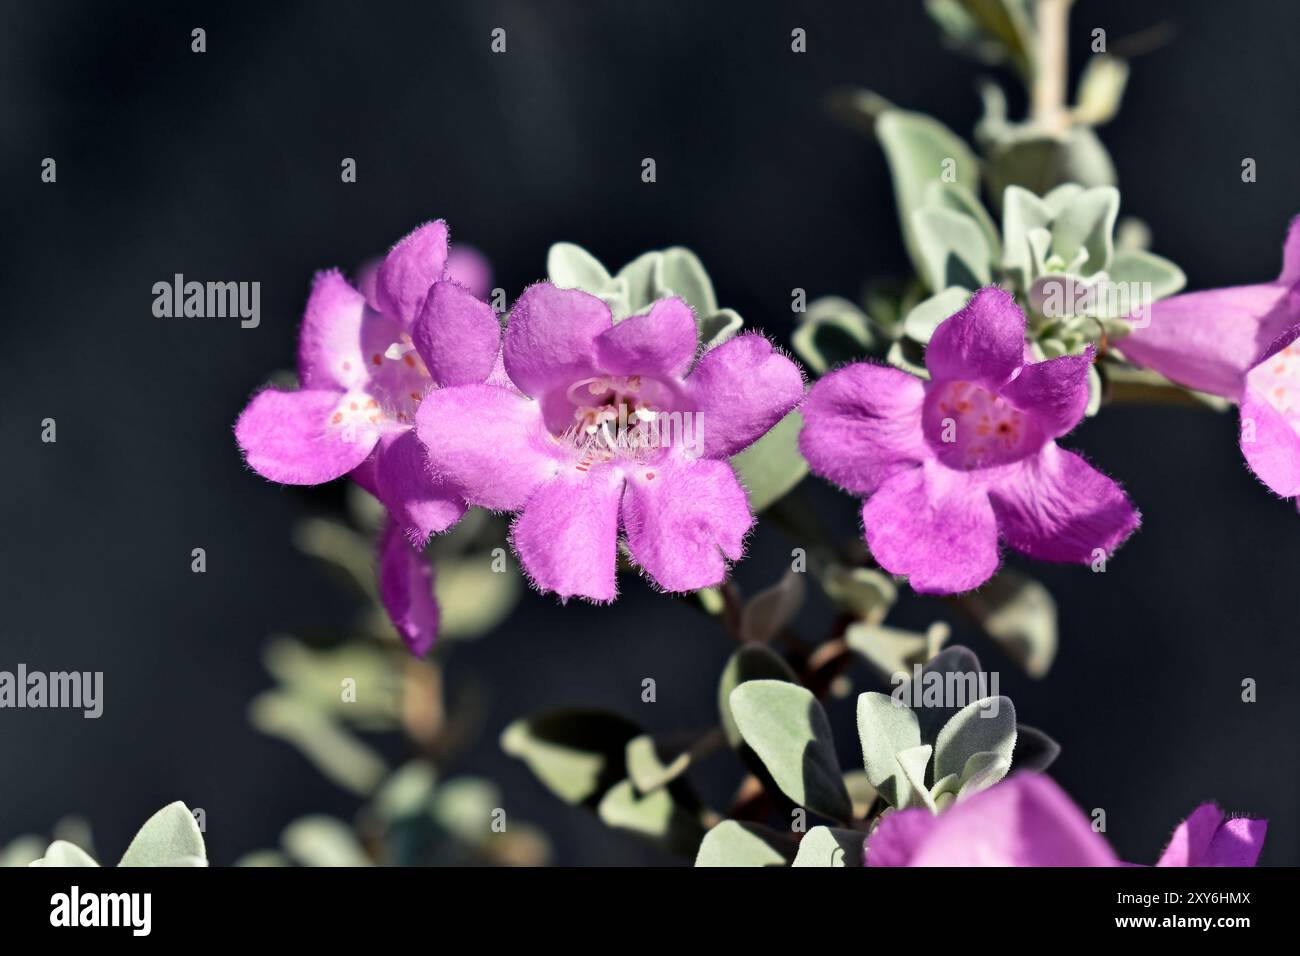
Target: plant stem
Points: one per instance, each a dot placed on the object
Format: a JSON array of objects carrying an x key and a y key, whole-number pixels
[{"x": 1047, "y": 95}]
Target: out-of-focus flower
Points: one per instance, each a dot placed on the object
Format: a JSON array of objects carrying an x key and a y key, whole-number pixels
[
  {"x": 406, "y": 590},
  {"x": 607, "y": 426},
  {"x": 1027, "y": 820},
  {"x": 949, "y": 464}
]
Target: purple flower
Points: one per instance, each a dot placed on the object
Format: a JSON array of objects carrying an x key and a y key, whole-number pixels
[
  {"x": 1239, "y": 343},
  {"x": 363, "y": 369},
  {"x": 606, "y": 427},
  {"x": 1027, "y": 820},
  {"x": 406, "y": 590},
  {"x": 951, "y": 463}
]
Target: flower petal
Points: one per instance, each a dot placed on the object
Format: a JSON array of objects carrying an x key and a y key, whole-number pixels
[
  {"x": 1209, "y": 340},
  {"x": 417, "y": 261},
  {"x": 1054, "y": 392},
  {"x": 684, "y": 519},
  {"x": 567, "y": 535},
  {"x": 1027, "y": 820},
  {"x": 422, "y": 504},
  {"x": 470, "y": 268},
  {"x": 329, "y": 345},
  {"x": 457, "y": 335},
  {"x": 740, "y": 390},
  {"x": 288, "y": 437},
  {"x": 899, "y": 837},
  {"x": 1054, "y": 506},
  {"x": 660, "y": 342},
  {"x": 406, "y": 589},
  {"x": 550, "y": 338},
  {"x": 934, "y": 525},
  {"x": 1270, "y": 445},
  {"x": 487, "y": 441},
  {"x": 862, "y": 424},
  {"x": 1205, "y": 838},
  {"x": 984, "y": 343}
]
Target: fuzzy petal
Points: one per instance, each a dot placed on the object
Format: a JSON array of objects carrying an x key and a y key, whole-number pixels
[
  {"x": 740, "y": 390},
  {"x": 984, "y": 343},
  {"x": 661, "y": 342},
  {"x": 487, "y": 441},
  {"x": 1206, "y": 838},
  {"x": 329, "y": 345},
  {"x": 406, "y": 589},
  {"x": 684, "y": 519},
  {"x": 550, "y": 338},
  {"x": 935, "y": 526},
  {"x": 1054, "y": 392},
  {"x": 1054, "y": 506},
  {"x": 567, "y": 535},
  {"x": 470, "y": 268},
  {"x": 421, "y": 504},
  {"x": 457, "y": 335},
  {"x": 862, "y": 425},
  {"x": 417, "y": 261},
  {"x": 288, "y": 437},
  {"x": 1209, "y": 340},
  {"x": 1270, "y": 445},
  {"x": 1027, "y": 820}
]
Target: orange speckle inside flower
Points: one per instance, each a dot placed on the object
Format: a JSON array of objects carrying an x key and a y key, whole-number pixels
[
  {"x": 353, "y": 405},
  {"x": 337, "y": 417},
  {"x": 409, "y": 359},
  {"x": 649, "y": 476},
  {"x": 377, "y": 359}
]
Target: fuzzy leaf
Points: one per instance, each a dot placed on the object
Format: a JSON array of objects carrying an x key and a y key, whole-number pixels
[
  {"x": 1020, "y": 614},
  {"x": 788, "y": 730},
  {"x": 750, "y": 662},
  {"x": 832, "y": 332},
  {"x": 569, "y": 266},
  {"x": 167, "y": 838},
  {"x": 577, "y": 754},
  {"x": 926, "y": 317},
  {"x": 987, "y": 725},
  {"x": 829, "y": 846},
  {"x": 886, "y": 729},
  {"x": 772, "y": 466},
  {"x": 772, "y": 608},
  {"x": 953, "y": 249},
  {"x": 732, "y": 843},
  {"x": 64, "y": 854},
  {"x": 656, "y": 816}
]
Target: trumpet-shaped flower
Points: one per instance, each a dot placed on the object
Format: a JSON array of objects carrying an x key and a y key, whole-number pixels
[
  {"x": 1239, "y": 343},
  {"x": 950, "y": 464},
  {"x": 1027, "y": 820},
  {"x": 607, "y": 428},
  {"x": 363, "y": 369}
]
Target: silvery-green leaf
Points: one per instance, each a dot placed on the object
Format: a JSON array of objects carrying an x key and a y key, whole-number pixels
[
  {"x": 323, "y": 841},
  {"x": 169, "y": 834},
  {"x": 315, "y": 676},
  {"x": 750, "y": 662},
  {"x": 62, "y": 853},
  {"x": 576, "y": 754},
  {"x": 921, "y": 150},
  {"x": 985, "y": 725},
  {"x": 407, "y": 792},
  {"x": 1039, "y": 163},
  {"x": 948, "y": 785},
  {"x": 959, "y": 199},
  {"x": 830, "y": 846},
  {"x": 1005, "y": 23},
  {"x": 771, "y": 609},
  {"x": 653, "y": 762},
  {"x": 913, "y": 761},
  {"x": 890, "y": 650},
  {"x": 865, "y": 593},
  {"x": 263, "y": 858},
  {"x": 718, "y": 327},
  {"x": 679, "y": 272},
  {"x": 1061, "y": 196},
  {"x": 1095, "y": 392},
  {"x": 952, "y": 248},
  {"x": 22, "y": 851},
  {"x": 338, "y": 754},
  {"x": 1039, "y": 243},
  {"x": 345, "y": 552},
  {"x": 833, "y": 331},
  {"x": 926, "y": 317},
  {"x": 773, "y": 465},
  {"x": 1035, "y": 750},
  {"x": 906, "y": 354},
  {"x": 1101, "y": 87},
  {"x": 1018, "y": 613},
  {"x": 788, "y": 730},
  {"x": 886, "y": 729},
  {"x": 957, "y": 671},
  {"x": 732, "y": 843},
  {"x": 1022, "y": 212},
  {"x": 1136, "y": 265},
  {"x": 861, "y": 792},
  {"x": 464, "y": 806},
  {"x": 639, "y": 279},
  {"x": 656, "y": 816},
  {"x": 982, "y": 771},
  {"x": 569, "y": 266},
  {"x": 472, "y": 597},
  {"x": 1088, "y": 222}
]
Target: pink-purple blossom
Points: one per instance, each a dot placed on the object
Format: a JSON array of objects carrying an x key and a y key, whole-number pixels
[
  {"x": 1239, "y": 343},
  {"x": 949, "y": 465},
  {"x": 365, "y": 363},
  {"x": 606, "y": 430},
  {"x": 1027, "y": 820}
]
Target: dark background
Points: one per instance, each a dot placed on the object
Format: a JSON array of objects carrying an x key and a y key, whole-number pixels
[{"x": 226, "y": 166}]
